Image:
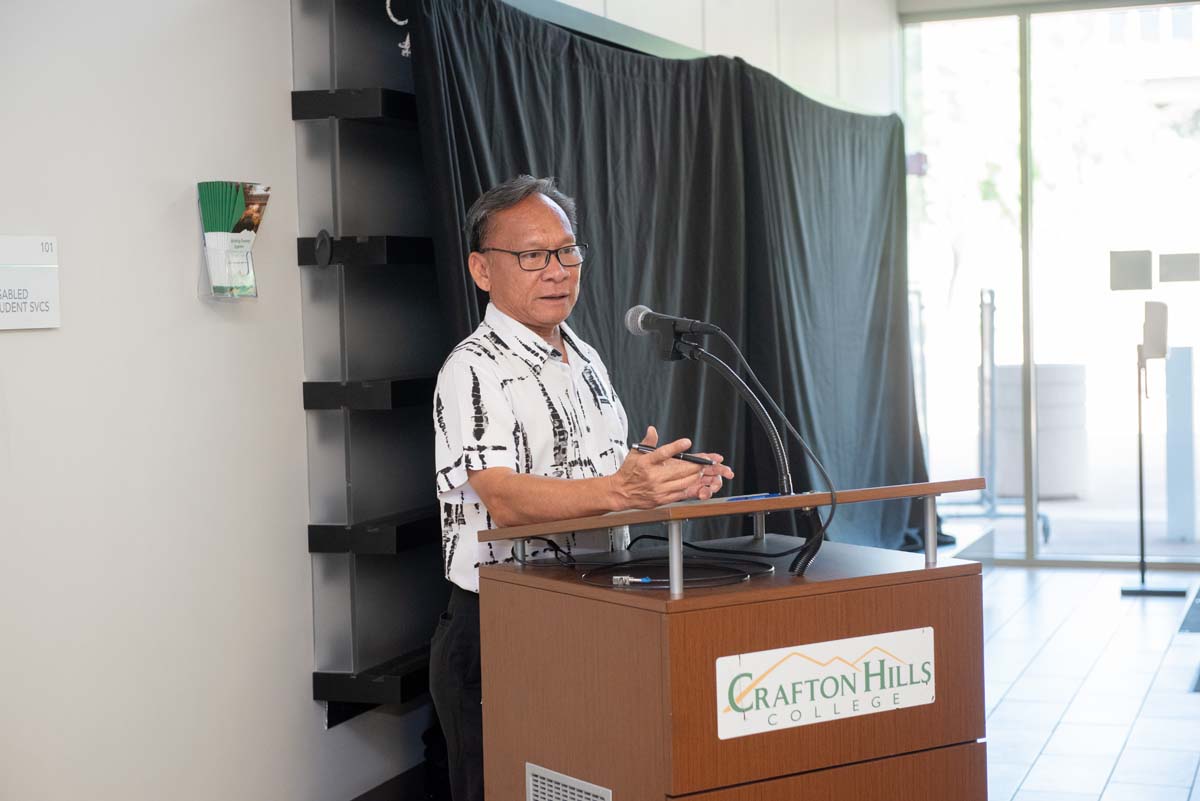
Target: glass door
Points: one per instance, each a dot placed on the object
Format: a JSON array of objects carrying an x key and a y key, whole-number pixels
[
  {"x": 962, "y": 138},
  {"x": 1115, "y": 140}
]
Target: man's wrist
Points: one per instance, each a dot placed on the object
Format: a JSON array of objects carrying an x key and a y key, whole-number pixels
[{"x": 614, "y": 497}]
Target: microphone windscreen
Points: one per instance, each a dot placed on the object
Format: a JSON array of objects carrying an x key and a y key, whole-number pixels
[{"x": 633, "y": 320}]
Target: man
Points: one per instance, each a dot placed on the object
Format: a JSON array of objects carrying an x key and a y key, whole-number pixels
[{"x": 528, "y": 429}]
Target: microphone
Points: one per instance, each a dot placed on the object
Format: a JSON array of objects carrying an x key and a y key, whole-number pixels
[{"x": 642, "y": 321}]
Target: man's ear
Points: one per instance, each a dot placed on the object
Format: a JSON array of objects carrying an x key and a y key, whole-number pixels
[{"x": 480, "y": 271}]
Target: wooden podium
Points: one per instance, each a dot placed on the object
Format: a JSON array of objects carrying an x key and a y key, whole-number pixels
[{"x": 588, "y": 689}]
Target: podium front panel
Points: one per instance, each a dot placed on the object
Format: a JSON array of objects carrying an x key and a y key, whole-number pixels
[
  {"x": 619, "y": 689},
  {"x": 956, "y": 773},
  {"x": 574, "y": 686},
  {"x": 700, "y": 760}
]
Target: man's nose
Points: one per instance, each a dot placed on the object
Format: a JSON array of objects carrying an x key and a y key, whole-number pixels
[{"x": 554, "y": 270}]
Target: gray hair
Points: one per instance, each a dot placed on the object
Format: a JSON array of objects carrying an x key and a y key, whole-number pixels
[{"x": 508, "y": 194}]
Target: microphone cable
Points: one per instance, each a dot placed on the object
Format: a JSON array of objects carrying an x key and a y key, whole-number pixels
[
  {"x": 805, "y": 553},
  {"x": 604, "y": 574},
  {"x": 562, "y": 557},
  {"x": 706, "y": 573},
  {"x": 808, "y": 551},
  {"x": 712, "y": 549}
]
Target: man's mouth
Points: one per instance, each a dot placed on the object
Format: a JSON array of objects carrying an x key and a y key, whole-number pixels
[{"x": 563, "y": 296}]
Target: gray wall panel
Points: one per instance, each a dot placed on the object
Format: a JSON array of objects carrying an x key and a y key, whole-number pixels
[
  {"x": 396, "y": 325},
  {"x": 328, "y": 499},
  {"x": 397, "y": 600},
  {"x": 382, "y": 183},
  {"x": 333, "y": 648},
  {"x": 391, "y": 464},
  {"x": 321, "y": 312}
]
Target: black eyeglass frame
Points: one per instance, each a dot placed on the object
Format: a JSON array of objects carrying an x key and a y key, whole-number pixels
[{"x": 582, "y": 247}]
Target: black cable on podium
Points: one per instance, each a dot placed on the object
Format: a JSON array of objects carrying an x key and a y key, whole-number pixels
[{"x": 675, "y": 345}]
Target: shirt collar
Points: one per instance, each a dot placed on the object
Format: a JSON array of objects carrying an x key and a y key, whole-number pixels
[
  {"x": 507, "y": 326},
  {"x": 569, "y": 338}
]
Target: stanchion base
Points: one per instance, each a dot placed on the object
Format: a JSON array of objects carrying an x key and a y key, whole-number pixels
[{"x": 1149, "y": 591}]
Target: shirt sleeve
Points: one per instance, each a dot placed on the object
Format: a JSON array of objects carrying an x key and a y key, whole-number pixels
[{"x": 474, "y": 425}]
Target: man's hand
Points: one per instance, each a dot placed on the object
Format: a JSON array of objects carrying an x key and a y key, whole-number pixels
[
  {"x": 646, "y": 480},
  {"x": 713, "y": 477}
]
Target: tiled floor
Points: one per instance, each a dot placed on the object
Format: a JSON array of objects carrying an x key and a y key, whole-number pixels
[{"x": 1088, "y": 692}]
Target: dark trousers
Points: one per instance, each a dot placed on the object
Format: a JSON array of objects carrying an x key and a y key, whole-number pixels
[{"x": 455, "y": 686}]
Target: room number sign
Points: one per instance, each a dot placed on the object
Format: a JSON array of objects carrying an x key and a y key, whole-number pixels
[{"x": 29, "y": 282}]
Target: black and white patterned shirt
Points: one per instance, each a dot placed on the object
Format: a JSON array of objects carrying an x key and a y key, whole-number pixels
[{"x": 506, "y": 398}]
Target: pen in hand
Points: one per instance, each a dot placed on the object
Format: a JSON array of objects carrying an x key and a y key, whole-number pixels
[{"x": 683, "y": 457}]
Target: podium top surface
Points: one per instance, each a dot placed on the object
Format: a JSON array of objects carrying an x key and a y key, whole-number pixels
[
  {"x": 736, "y": 505},
  {"x": 840, "y": 567}
]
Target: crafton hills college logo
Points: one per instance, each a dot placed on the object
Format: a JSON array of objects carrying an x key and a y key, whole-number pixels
[{"x": 819, "y": 682}]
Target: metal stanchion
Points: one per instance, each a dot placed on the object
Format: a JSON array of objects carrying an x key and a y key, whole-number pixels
[
  {"x": 619, "y": 537},
  {"x": 760, "y": 526},
  {"x": 931, "y": 531},
  {"x": 675, "y": 557}
]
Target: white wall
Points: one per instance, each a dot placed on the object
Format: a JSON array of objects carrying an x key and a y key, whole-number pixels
[
  {"x": 842, "y": 52},
  {"x": 155, "y": 606}
]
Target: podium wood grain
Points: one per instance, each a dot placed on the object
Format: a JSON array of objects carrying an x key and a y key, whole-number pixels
[
  {"x": 571, "y": 685},
  {"x": 618, "y": 687},
  {"x": 945, "y": 774},
  {"x": 695, "y": 640}
]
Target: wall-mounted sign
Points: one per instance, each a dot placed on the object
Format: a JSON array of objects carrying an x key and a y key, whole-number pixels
[
  {"x": 1130, "y": 269},
  {"x": 29, "y": 282},
  {"x": 819, "y": 682},
  {"x": 1179, "y": 267}
]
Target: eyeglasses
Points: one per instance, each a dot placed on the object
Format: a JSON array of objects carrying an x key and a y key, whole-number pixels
[{"x": 533, "y": 260}]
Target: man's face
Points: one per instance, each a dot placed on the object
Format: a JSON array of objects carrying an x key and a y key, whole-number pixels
[{"x": 540, "y": 300}]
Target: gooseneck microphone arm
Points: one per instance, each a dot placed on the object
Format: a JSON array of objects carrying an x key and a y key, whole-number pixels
[
  {"x": 673, "y": 346},
  {"x": 690, "y": 350}
]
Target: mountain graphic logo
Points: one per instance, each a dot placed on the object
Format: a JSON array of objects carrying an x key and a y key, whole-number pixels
[{"x": 853, "y": 664}]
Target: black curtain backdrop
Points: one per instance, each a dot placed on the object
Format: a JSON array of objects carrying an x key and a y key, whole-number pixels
[{"x": 709, "y": 189}]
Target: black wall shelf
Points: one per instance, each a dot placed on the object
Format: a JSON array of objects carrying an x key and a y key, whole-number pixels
[
  {"x": 377, "y": 395},
  {"x": 362, "y": 251},
  {"x": 374, "y": 337},
  {"x": 354, "y": 104},
  {"x": 387, "y": 536},
  {"x": 398, "y": 681}
]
